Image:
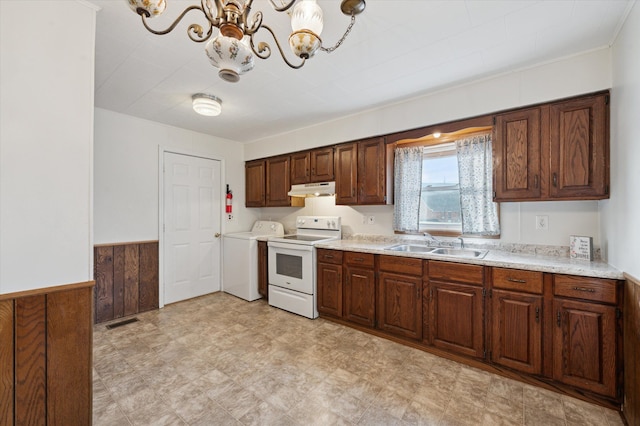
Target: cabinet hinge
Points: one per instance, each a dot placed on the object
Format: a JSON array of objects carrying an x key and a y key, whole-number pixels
[
  {"x": 618, "y": 313},
  {"x": 484, "y": 293},
  {"x": 494, "y": 194},
  {"x": 484, "y": 353},
  {"x": 494, "y": 120},
  {"x": 606, "y": 189},
  {"x": 620, "y": 392},
  {"x": 606, "y": 100}
]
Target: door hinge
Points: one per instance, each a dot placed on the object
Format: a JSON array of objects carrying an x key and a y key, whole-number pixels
[{"x": 618, "y": 313}]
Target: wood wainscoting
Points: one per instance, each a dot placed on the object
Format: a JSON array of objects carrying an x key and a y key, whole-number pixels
[
  {"x": 631, "y": 332},
  {"x": 46, "y": 345},
  {"x": 126, "y": 279}
]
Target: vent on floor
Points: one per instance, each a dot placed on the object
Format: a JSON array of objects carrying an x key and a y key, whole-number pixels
[{"x": 121, "y": 323}]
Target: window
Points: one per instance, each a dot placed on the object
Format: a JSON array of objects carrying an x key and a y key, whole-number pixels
[
  {"x": 440, "y": 189},
  {"x": 444, "y": 186}
]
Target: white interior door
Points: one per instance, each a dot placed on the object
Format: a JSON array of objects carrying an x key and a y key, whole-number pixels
[{"x": 192, "y": 226}]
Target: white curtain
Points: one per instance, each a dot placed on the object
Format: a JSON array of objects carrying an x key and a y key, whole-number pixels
[
  {"x": 407, "y": 173},
  {"x": 479, "y": 212}
]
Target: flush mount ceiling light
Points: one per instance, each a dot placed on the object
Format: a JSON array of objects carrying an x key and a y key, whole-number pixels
[
  {"x": 208, "y": 105},
  {"x": 232, "y": 47}
]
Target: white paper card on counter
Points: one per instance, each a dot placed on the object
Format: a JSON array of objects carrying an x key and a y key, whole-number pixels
[{"x": 581, "y": 247}]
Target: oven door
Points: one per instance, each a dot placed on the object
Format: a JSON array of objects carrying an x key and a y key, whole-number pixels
[{"x": 292, "y": 266}]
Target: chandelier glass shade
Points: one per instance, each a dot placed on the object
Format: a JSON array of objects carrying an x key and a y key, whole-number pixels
[
  {"x": 208, "y": 105},
  {"x": 233, "y": 46}
]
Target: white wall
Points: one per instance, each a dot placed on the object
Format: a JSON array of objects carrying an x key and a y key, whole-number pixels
[
  {"x": 575, "y": 75},
  {"x": 126, "y": 175},
  {"x": 621, "y": 213},
  {"x": 46, "y": 131}
]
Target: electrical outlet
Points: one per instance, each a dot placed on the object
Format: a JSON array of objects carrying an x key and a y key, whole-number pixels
[
  {"x": 371, "y": 220},
  {"x": 542, "y": 222}
]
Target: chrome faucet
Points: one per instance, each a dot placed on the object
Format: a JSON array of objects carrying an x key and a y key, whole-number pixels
[
  {"x": 431, "y": 237},
  {"x": 461, "y": 242}
]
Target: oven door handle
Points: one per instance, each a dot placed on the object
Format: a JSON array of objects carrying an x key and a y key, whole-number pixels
[{"x": 287, "y": 246}]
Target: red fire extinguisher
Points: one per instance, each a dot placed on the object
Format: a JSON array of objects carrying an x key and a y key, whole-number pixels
[{"x": 228, "y": 201}]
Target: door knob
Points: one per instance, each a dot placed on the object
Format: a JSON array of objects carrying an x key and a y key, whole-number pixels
[{"x": 217, "y": 235}]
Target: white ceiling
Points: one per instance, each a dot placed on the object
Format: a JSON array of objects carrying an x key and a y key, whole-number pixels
[{"x": 397, "y": 50}]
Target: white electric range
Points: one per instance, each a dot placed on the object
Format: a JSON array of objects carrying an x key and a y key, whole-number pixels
[{"x": 292, "y": 264}]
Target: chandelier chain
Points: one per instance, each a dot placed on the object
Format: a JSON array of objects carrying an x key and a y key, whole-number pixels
[{"x": 346, "y": 33}]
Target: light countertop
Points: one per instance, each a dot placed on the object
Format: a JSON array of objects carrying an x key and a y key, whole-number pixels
[{"x": 500, "y": 258}]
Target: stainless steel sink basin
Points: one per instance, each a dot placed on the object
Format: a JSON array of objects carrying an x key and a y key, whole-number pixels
[
  {"x": 457, "y": 252},
  {"x": 413, "y": 248}
]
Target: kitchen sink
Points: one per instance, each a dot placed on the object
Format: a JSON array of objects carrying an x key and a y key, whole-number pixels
[
  {"x": 413, "y": 248},
  {"x": 459, "y": 252}
]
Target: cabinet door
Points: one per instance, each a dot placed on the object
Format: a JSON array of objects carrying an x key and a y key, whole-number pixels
[
  {"x": 400, "y": 305},
  {"x": 321, "y": 165},
  {"x": 579, "y": 145},
  {"x": 360, "y": 296},
  {"x": 457, "y": 318},
  {"x": 516, "y": 337},
  {"x": 516, "y": 156},
  {"x": 278, "y": 182},
  {"x": 346, "y": 168},
  {"x": 371, "y": 171},
  {"x": 584, "y": 346},
  {"x": 263, "y": 274},
  {"x": 255, "y": 183},
  {"x": 300, "y": 168},
  {"x": 330, "y": 289}
]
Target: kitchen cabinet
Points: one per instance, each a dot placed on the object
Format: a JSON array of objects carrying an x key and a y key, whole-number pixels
[
  {"x": 360, "y": 288},
  {"x": 516, "y": 319},
  {"x": 322, "y": 165},
  {"x": 360, "y": 172},
  {"x": 329, "y": 282},
  {"x": 456, "y": 307},
  {"x": 586, "y": 333},
  {"x": 555, "y": 151},
  {"x": 255, "y": 174},
  {"x": 263, "y": 271},
  {"x": 278, "y": 181},
  {"x": 300, "y": 170},
  {"x": 400, "y": 296},
  {"x": 312, "y": 166}
]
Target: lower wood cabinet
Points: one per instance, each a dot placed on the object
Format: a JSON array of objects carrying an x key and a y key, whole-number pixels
[
  {"x": 456, "y": 307},
  {"x": 263, "y": 271},
  {"x": 516, "y": 330},
  {"x": 360, "y": 288},
  {"x": 516, "y": 319},
  {"x": 585, "y": 336},
  {"x": 400, "y": 296},
  {"x": 329, "y": 279},
  {"x": 552, "y": 327}
]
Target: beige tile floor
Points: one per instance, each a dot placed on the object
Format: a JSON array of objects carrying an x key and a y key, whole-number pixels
[{"x": 218, "y": 360}]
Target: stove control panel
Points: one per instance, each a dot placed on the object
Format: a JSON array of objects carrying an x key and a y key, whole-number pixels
[{"x": 319, "y": 222}]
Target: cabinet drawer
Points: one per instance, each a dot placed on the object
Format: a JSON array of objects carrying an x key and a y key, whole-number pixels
[
  {"x": 517, "y": 279},
  {"x": 401, "y": 265},
  {"x": 597, "y": 289},
  {"x": 359, "y": 259},
  {"x": 456, "y": 272},
  {"x": 329, "y": 256}
]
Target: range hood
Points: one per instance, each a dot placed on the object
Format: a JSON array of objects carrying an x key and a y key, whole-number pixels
[{"x": 313, "y": 189}]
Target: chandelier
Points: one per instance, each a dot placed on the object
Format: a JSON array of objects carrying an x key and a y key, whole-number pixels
[{"x": 233, "y": 46}]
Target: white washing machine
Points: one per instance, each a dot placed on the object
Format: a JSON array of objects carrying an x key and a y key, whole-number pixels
[{"x": 240, "y": 259}]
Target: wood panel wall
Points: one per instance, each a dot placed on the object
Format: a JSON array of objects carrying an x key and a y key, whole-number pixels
[
  {"x": 46, "y": 344},
  {"x": 631, "y": 332},
  {"x": 126, "y": 278}
]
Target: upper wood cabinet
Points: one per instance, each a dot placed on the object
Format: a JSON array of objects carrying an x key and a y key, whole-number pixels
[
  {"x": 322, "y": 164},
  {"x": 360, "y": 169},
  {"x": 312, "y": 166},
  {"x": 556, "y": 151},
  {"x": 255, "y": 174},
  {"x": 278, "y": 181},
  {"x": 300, "y": 168}
]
